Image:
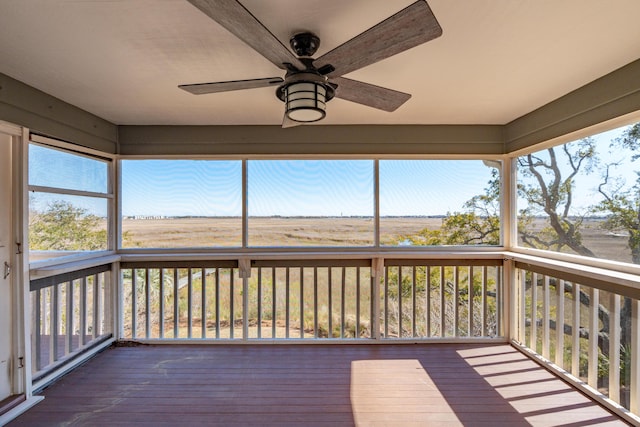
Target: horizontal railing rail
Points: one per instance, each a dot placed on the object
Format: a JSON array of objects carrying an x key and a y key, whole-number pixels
[
  {"x": 583, "y": 326},
  {"x": 71, "y": 312},
  {"x": 306, "y": 299}
]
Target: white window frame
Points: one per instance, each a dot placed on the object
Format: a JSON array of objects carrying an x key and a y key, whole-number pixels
[
  {"x": 505, "y": 209},
  {"x": 109, "y": 196}
]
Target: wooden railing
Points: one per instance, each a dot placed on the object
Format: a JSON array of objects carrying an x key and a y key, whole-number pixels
[
  {"x": 312, "y": 299},
  {"x": 581, "y": 321},
  {"x": 585, "y": 326},
  {"x": 70, "y": 312},
  {"x": 442, "y": 298}
]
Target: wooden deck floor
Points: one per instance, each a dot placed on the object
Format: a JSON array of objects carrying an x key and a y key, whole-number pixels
[{"x": 308, "y": 385}]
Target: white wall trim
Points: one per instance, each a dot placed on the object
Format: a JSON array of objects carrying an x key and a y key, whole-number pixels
[{"x": 23, "y": 407}]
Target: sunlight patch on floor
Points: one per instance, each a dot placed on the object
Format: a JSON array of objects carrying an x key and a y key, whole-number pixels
[
  {"x": 396, "y": 392},
  {"x": 532, "y": 392}
]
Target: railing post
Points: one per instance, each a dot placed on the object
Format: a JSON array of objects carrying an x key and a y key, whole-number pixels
[
  {"x": 343, "y": 286},
  {"x": 508, "y": 310},
  {"x": 560, "y": 323},
  {"x": 546, "y": 312},
  {"x": 301, "y": 302},
  {"x": 176, "y": 313},
  {"x": 189, "y": 303},
  {"x": 287, "y": 302},
  {"x": 533, "y": 335},
  {"x": 147, "y": 303},
  {"x": 161, "y": 303},
  {"x": 244, "y": 271},
  {"x": 428, "y": 301},
  {"x": 575, "y": 331},
  {"x": 83, "y": 312},
  {"x": 413, "y": 302},
  {"x": 68, "y": 324},
  {"x": 377, "y": 273},
  {"x": 592, "y": 377},
  {"x": 634, "y": 404},
  {"x": 134, "y": 303},
  {"x": 443, "y": 311},
  {"x": 203, "y": 303},
  {"x": 456, "y": 300},
  {"x": 470, "y": 303},
  {"x": 614, "y": 347},
  {"x": 54, "y": 310},
  {"x": 521, "y": 298},
  {"x": 358, "y": 295},
  {"x": 36, "y": 337},
  {"x": 113, "y": 296},
  {"x": 315, "y": 302}
]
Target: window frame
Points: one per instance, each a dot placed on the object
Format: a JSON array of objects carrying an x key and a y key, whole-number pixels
[
  {"x": 109, "y": 196},
  {"x": 376, "y": 247},
  {"x": 186, "y": 249},
  {"x": 562, "y": 259}
]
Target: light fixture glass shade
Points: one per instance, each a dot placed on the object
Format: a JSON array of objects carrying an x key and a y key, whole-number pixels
[{"x": 305, "y": 101}]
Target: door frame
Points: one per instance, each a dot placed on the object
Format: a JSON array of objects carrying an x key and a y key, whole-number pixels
[{"x": 21, "y": 319}]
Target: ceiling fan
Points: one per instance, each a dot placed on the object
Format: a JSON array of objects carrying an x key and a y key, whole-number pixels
[{"x": 310, "y": 83}]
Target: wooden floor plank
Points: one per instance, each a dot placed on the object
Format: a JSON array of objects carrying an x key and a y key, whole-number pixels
[{"x": 313, "y": 385}]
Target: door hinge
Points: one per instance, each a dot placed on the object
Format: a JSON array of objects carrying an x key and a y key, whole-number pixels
[
  {"x": 7, "y": 270},
  {"x": 19, "y": 245},
  {"x": 20, "y": 362}
]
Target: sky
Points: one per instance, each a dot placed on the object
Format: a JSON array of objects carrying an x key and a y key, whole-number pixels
[
  {"x": 585, "y": 192},
  {"x": 298, "y": 187},
  {"x": 285, "y": 187},
  {"x": 53, "y": 168}
]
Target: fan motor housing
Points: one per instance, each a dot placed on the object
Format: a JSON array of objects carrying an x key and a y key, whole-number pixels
[{"x": 305, "y": 44}]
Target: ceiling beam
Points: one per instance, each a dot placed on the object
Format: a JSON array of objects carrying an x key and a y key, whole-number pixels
[{"x": 346, "y": 140}]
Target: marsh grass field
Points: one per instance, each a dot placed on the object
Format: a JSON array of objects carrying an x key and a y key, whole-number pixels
[
  {"x": 269, "y": 231},
  {"x": 319, "y": 231}
]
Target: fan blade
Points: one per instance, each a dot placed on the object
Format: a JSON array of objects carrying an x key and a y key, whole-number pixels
[
  {"x": 408, "y": 28},
  {"x": 240, "y": 22},
  {"x": 370, "y": 95},
  {"x": 204, "y": 88}
]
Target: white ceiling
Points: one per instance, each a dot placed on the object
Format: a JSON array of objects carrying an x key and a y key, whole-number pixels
[{"x": 496, "y": 60}]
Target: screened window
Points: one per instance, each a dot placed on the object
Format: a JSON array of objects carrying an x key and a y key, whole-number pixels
[
  {"x": 68, "y": 202},
  {"x": 310, "y": 202},
  {"x": 181, "y": 203},
  {"x": 439, "y": 202},
  {"x": 50, "y": 167},
  {"x": 583, "y": 197}
]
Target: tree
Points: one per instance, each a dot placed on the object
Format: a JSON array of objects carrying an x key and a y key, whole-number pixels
[
  {"x": 65, "y": 227},
  {"x": 620, "y": 203},
  {"x": 478, "y": 224},
  {"x": 551, "y": 193}
]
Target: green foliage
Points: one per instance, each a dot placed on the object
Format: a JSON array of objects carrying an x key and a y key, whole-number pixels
[
  {"x": 65, "y": 227},
  {"x": 478, "y": 224},
  {"x": 630, "y": 139}
]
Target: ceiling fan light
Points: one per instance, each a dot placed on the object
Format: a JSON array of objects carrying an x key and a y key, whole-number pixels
[{"x": 305, "y": 101}]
